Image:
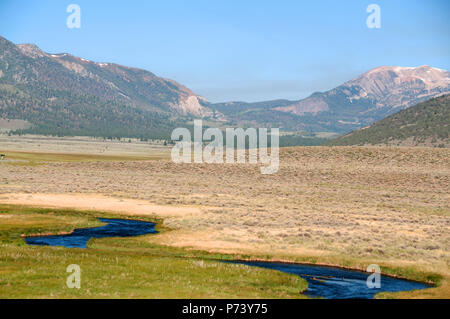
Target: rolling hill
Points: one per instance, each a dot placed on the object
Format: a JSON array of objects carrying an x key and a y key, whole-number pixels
[{"x": 425, "y": 124}]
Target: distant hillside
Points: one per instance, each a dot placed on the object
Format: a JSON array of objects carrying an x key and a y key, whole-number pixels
[
  {"x": 425, "y": 124},
  {"x": 65, "y": 95}
]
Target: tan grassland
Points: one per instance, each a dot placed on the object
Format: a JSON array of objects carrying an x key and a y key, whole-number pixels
[{"x": 347, "y": 206}]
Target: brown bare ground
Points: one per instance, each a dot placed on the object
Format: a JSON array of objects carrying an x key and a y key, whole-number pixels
[{"x": 99, "y": 203}]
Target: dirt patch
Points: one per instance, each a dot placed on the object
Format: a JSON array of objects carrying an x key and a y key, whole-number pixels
[{"x": 98, "y": 202}]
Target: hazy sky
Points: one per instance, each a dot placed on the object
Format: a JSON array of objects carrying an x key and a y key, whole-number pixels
[{"x": 240, "y": 50}]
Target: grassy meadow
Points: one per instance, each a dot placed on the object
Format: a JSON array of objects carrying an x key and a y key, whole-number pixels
[
  {"x": 35, "y": 158},
  {"x": 121, "y": 267},
  {"x": 343, "y": 206}
]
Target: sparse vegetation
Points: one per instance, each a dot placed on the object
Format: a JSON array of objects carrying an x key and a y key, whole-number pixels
[{"x": 38, "y": 157}]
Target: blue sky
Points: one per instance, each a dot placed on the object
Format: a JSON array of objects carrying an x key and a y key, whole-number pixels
[{"x": 240, "y": 50}]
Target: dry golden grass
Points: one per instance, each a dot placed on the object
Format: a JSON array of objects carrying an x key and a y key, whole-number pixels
[{"x": 342, "y": 205}]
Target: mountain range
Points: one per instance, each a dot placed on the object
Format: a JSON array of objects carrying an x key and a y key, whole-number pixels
[
  {"x": 61, "y": 94},
  {"x": 352, "y": 105}
]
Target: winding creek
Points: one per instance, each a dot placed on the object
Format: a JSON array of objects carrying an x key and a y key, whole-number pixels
[
  {"x": 337, "y": 283},
  {"x": 80, "y": 237},
  {"x": 326, "y": 282}
]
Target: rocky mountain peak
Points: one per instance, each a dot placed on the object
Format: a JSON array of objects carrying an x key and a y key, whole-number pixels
[{"x": 382, "y": 80}]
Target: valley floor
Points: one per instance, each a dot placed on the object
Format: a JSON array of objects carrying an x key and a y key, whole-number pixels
[{"x": 346, "y": 206}]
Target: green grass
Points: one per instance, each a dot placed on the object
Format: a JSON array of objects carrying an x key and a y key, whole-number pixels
[
  {"x": 34, "y": 158},
  {"x": 121, "y": 267}
]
